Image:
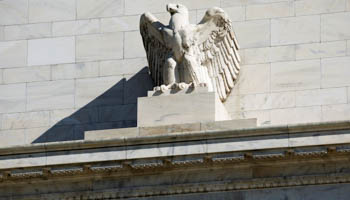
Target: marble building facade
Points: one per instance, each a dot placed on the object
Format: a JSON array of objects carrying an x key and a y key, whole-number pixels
[
  {"x": 73, "y": 64},
  {"x": 73, "y": 67}
]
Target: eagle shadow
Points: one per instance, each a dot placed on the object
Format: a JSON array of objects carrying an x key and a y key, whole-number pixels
[{"x": 115, "y": 108}]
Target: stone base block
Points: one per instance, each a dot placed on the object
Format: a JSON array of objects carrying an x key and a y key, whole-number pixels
[{"x": 180, "y": 108}]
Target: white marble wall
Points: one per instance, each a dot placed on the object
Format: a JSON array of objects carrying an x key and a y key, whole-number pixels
[{"x": 79, "y": 62}]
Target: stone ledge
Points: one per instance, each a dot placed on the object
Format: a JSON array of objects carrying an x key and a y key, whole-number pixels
[
  {"x": 177, "y": 145},
  {"x": 177, "y": 137},
  {"x": 282, "y": 161}
]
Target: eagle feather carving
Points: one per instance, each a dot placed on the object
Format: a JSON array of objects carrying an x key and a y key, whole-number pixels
[{"x": 183, "y": 55}]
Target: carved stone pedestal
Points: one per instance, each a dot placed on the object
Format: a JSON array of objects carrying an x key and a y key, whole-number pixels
[{"x": 180, "y": 107}]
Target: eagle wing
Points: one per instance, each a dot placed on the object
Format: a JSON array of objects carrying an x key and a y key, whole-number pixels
[
  {"x": 153, "y": 41},
  {"x": 218, "y": 49}
]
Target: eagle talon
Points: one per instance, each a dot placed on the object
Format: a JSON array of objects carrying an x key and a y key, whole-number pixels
[
  {"x": 163, "y": 88},
  {"x": 182, "y": 86}
]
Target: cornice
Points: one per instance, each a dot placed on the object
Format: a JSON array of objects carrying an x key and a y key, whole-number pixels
[
  {"x": 176, "y": 137},
  {"x": 144, "y": 166},
  {"x": 127, "y": 167},
  {"x": 204, "y": 187}
]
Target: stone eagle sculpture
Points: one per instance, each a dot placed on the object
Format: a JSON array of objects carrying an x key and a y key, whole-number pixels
[{"x": 183, "y": 55}]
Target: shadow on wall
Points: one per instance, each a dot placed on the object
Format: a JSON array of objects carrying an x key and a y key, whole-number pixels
[{"x": 115, "y": 108}]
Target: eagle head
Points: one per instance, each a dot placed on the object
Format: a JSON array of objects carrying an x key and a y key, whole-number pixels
[
  {"x": 215, "y": 11},
  {"x": 176, "y": 8}
]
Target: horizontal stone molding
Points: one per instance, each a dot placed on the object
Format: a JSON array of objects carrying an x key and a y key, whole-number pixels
[
  {"x": 259, "y": 183},
  {"x": 126, "y": 167},
  {"x": 176, "y": 137},
  {"x": 170, "y": 154}
]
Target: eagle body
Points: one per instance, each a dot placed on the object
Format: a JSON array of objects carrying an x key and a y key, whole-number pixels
[{"x": 182, "y": 55}]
